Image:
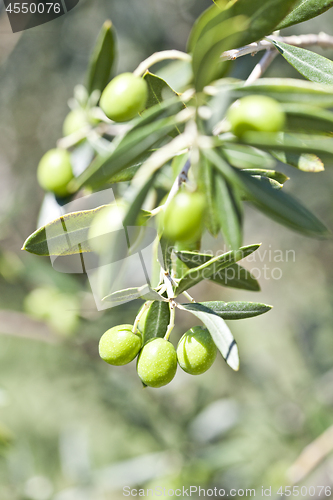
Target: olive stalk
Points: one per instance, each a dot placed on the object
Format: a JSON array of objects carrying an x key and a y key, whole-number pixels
[
  {"x": 158, "y": 57},
  {"x": 140, "y": 314}
]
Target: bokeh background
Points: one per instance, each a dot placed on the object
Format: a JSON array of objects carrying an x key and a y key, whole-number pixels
[{"x": 74, "y": 428}]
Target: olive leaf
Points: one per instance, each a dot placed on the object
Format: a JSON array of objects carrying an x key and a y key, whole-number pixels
[
  {"x": 206, "y": 185},
  {"x": 233, "y": 276},
  {"x": 102, "y": 59},
  {"x": 212, "y": 268},
  {"x": 278, "y": 177},
  {"x": 242, "y": 156},
  {"x": 236, "y": 310},
  {"x": 285, "y": 90},
  {"x": 307, "y": 117},
  {"x": 128, "y": 294},
  {"x": 312, "y": 66},
  {"x": 157, "y": 321},
  {"x": 305, "y": 162},
  {"x": 155, "y": 124},
  {"x": 219, "y": 331},
  {"x": 229, "y": 211},
  {"x": 305, "y": 10}
]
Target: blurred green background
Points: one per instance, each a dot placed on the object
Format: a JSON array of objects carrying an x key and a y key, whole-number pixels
[{"x": 74, "y": 428}]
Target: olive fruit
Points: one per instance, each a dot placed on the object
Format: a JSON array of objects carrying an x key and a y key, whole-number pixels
[
  {"x": 105, "y": 222},
  {"x": 196, "y": 351},
  {"x": 55, "y": 171},
  {"x": 157, "y": 363},
  {"x": 183, "y": 218},
  {"x": 119, "y": 345},
  {"x": 124, "y": 97},
  {"x": 74, "y": 121},
  {"x": 255, "y": 113}
]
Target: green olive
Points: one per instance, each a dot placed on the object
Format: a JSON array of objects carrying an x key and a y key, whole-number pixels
[
  {"x": 74, "y": 121},
  {"x": 157, "y": 363},
  {"x": 255, "y": 113},
  {"x": 183, "y": 218},
  {"x": 55, "y": 171},
  {"x": 196, "y": 351},
  {"x": 105, "y": 222},
  {"x": 119, "y": 345},
  {"x": 124, "y": 97}
]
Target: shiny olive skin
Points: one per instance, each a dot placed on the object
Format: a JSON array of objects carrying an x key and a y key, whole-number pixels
[
  {"x": 119, "y": 345},
  {"x": 74, "y": 121},
  {"x": 106, "y": 221},
  {"x": 124, "y": 97},
  {"x": 55, "y": 171},
  {"x": 196, "y": 351},
  {"x": 255, "y": 113},
  {"x": 183, "y": 218},
  {"x": 157, "y": 363}
]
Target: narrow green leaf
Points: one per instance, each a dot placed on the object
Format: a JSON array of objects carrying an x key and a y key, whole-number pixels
[
  {"x": 127, "y": 151},
  {"x": 66, "y": 235},
  {"x": 211, "y": 269},
  {"x": 219, "y": 331},
  {"x": 305, "y": 162},
  {"x": 279, "y": 177},
  {"x": 286, "y": 90},
  {"x": 312, "y": 66},
  {"x": 233, "y": 276},
  {"x": 158, "y": 90},
  {"x": 157, "y": 321},
  {"x": 229, "y": 211},
  {"x": 304, "y": 117},
  {"x": 305, "y": 10},
  {"x": 102, "y": 59},
  {"x": 166, "y": 247},
  {"x": 128, "y": 294},
  {"x": 242, "y": 156},
  {"x": 282, "y": 207},
  {"x": 237, "y": 310},
  {"x": 206, "y": 186}
]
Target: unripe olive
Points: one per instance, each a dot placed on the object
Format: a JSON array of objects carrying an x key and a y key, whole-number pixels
[
  {"x": 105, "y": 222},
  {"x": 124, "y": 97},
  {"x": 183, "y": 217},
  {"x": 157, "y": 363},
  {"x": 55, "y": 171},
  {"x": 196, "y": 351},
  {"x": 74, "y": 121},
  {"x": 119, "y": 345},
  {"x": 255, "y": 113}
]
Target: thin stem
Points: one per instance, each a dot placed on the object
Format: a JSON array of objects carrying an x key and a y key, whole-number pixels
[
  {"x": 172, "y": 321},
  {"x": 182, "y": 177},
  {"x": 188, "y": 296},
  {"x": 139, "y": 316},
  {"x": 158, "y": 57},
  {"x": 262, "y": 66},
  {"x": 321, "y": 40}
]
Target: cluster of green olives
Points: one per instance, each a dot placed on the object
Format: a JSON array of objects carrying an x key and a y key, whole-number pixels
[
  {"x": 122, "y": 99},
  {"x": 157, "y": 359}
]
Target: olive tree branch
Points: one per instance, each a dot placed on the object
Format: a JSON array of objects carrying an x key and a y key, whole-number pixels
[
  {"x": 158, "y": 57},
  {"x": 262, "y": 66},
  {"x": 321, "y": 40}
]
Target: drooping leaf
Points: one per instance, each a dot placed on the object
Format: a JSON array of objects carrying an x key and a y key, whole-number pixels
[
  {"x": 282, "y": 207},
  {"x": 229, "y": 211},
  {"x": 128, "y": 294},
  {"x": 219, "y": 331},
  {"x": 305, "y": 10},
  {"x": 211, "y": 269},
  {"x": 130, "y": 148},
  {"x": 276, "y": 204},
  {"x": 305, "y": 162},
  {"x": 66, "y": 235},
  {"x": 237, "y": 310},
  {"x": 286, "y": 90},
  {"x": 157, "y": 321},
  {"x": 303, "y": 117},
  {"x": 279, "y": 177},
  {"x": 206, "y": 186},
  {"x": 233, "y": 276},
  {"x": 242, "y": 156},
  {"x": 312, "y": 66},
  {"x": 166, "y": 247},
  {"x": 102, "y": 59}
]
